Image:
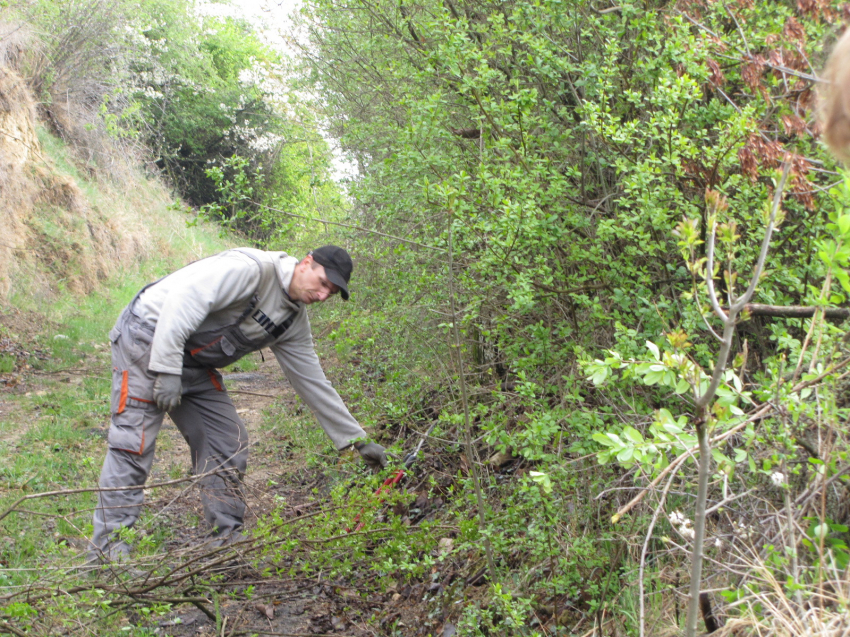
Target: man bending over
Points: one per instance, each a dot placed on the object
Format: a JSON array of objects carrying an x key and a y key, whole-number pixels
[{"x": 167, "y": 348}]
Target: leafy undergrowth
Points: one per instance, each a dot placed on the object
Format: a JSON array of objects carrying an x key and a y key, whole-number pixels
[{"x": 325, "y": 554}]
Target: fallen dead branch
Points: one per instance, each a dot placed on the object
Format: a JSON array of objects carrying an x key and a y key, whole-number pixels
[{"x": 155, "y": 485}]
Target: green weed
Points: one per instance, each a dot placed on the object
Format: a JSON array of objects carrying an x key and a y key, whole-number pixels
[{"x": 7, "y": 363}]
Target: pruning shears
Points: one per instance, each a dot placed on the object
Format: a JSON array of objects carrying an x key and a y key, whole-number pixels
[{"x": 395, "y": 478}]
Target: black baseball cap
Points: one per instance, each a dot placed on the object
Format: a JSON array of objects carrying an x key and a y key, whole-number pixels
[{"x": 337, "y": 266}]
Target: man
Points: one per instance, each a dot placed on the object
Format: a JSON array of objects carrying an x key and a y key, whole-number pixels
[{"x": 167, "y": 347}]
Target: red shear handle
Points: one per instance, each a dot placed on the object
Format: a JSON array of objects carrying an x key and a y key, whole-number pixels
[{"x": 388, "y": 483}]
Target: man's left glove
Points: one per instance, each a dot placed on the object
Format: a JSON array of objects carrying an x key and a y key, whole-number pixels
[
  {"x": 373, "y": 454},
  {"x": 167, "y": 391}
]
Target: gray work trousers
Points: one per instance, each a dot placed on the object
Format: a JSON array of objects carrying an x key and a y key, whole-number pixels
[{"x": 207, "y": 419}]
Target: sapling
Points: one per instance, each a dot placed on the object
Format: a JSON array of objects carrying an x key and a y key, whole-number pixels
[
  {"x": 713, "y": 395},
  {"x": 704, "y": 399}
]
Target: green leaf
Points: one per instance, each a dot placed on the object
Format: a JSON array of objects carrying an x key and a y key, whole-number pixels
[
  {"x": 600, "y": 375},
  {"x": 542, "y": 479},
  {"x": 843, "y": 279},
  {"x": 663, "y": 415},
  {"x": 653, "y": 378},
  {"x": 602, "y": 439},
  {"x": 633, "y": 434},
  {"x": 719, "y": 457},
  {"x": 642, "y": 368},
  {"x": 654, "y": 349},
  {"x": 616, "y": 439},
  {"x": 672, "y": 428}
]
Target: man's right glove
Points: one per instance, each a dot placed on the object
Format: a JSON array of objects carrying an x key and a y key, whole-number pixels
[
  {"x": 167, "y": 391},
  {"x": 373, "y": 454}
]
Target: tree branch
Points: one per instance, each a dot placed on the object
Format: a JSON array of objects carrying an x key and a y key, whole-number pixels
[{"x": 795, "y": 311}]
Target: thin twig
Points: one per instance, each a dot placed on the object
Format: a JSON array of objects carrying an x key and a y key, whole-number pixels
[
  {"x": 48, "y": 494},
  {"x": 250, "y": 393},
  {"x": 641, "y": 596},
  {"x": 701, "y": 421},
  {"x": 467, "y": 420},
  {"x": 4, "y": 626}
]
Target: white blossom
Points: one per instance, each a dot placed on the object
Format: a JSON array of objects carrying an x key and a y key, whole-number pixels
[
  {"x": 778, "y": 478},
  {"x": 742, "y": 530},
  {"x": 265, "y": 142}
]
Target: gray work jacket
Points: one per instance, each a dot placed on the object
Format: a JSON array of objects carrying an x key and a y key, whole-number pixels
[{"x": 210, "y": 295}]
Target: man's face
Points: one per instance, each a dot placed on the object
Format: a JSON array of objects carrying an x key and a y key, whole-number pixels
[{"x": 310, "y": 282}]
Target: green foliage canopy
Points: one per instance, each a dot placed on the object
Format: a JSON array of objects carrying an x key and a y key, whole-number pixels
[{"x": 564, "y": 144}]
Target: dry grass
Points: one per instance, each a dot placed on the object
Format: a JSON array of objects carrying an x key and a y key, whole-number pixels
[
  {"x": 15, "y": 39},
  {"x": 777, "y": 619},
  {"x": 75, "y": 116}
]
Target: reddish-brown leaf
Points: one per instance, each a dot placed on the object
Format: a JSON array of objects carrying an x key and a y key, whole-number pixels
[
  {"x": 794, "y": 31},
  {"x": 749, "y": 165},
  {"x": 801, "y": 188},
  {"x": 794, "y": 125},
  {"x": 807, "y": 98},
  {"x": 815, "y": 8},
  {"x": 265, "y": 609},
  {"x": 715, "y": 76},
  {"x": 751, "y": 74},
  {"x": 758, "y": 153}
]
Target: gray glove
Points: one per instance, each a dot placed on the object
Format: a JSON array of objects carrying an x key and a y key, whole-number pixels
[
  {"x": 373, "y": 454},
  {"x": 167, "y": 391}
]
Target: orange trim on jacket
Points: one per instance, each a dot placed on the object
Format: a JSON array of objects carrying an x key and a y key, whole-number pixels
[
  {"x": 198, "y": 349},
  {"x": 214, "y": 380}
]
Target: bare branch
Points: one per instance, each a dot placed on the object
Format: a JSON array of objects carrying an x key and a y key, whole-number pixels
[
  {"x": 49, "y": 494},
  {"x": 765, "y": 244},
  {"x": 795, "y": 311},
  {"x": 709, "y": 270}
]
